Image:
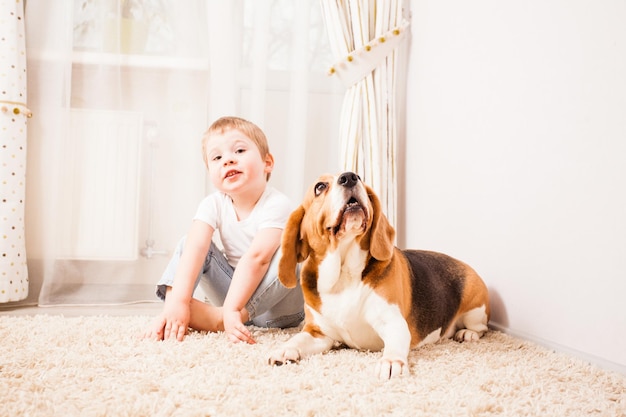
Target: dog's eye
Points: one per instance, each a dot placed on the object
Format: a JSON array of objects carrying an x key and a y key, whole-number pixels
[{"x": 320, "y": 187}]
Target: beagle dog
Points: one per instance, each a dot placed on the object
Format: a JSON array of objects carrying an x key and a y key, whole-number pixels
[{"x": 363, "y": 292}]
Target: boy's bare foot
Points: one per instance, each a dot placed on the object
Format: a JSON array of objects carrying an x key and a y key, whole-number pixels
[{"x": 205, "y": 317}]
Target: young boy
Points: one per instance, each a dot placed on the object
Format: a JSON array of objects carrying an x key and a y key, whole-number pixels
[{"x": 242, "y": 283}]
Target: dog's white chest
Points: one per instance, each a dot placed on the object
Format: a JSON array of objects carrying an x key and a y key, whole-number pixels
[
  {"x": 348, "y": 306},
  {"x": 341, "y": 269},
  {"x": 344, "y": 317}
]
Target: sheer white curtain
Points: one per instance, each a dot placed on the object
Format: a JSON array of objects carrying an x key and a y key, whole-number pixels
[
  {"x": 365, "y": 36},
  {"x": 13, "y": 116},
  {"x": 125, "y": 89}
]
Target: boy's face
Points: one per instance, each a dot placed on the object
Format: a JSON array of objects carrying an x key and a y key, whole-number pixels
[{"x": 235, "y": 162}]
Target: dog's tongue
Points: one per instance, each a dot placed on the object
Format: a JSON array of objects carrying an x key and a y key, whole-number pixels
[{"x": 353, "y": 218}]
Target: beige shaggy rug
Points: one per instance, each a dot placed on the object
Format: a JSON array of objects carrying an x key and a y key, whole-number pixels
[{"x": 95, "y": 366}]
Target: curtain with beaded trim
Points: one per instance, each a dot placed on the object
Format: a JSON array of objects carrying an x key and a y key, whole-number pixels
[
  {"x": 364, "y": 36},
  {"x": 13, "y": 117}
]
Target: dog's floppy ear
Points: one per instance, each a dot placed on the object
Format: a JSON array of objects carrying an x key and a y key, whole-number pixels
[
  {"x": 382, "y": 234},
  {"x": 294, "y": 249}
]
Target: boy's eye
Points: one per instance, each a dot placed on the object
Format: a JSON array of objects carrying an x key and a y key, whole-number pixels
[
  {"x": 320, "y": 187},
  {"x": 240, "y": 150},
  {"x": 216, "y": 158}
]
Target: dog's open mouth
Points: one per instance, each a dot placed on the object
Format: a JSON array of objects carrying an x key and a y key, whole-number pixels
[{"x": 353, "y": 217}]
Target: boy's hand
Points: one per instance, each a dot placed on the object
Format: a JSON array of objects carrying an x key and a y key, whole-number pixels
[
  {"x": 235, "y": 329},
  {"x": 175, "y": 319},
  {"x": 171, "y": 323}
]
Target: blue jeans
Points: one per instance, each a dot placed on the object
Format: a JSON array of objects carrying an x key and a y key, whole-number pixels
[{"x": 271, "y": 305}]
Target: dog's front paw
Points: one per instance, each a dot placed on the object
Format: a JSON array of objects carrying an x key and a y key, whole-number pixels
[
  {"x": 283, "y": 356},
  {"x": 388, "y": 368}
]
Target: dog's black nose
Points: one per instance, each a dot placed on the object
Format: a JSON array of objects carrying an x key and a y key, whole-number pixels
[{"x": 348, "y": 179}]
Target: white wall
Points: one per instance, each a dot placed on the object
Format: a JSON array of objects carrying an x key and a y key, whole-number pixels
[{"x": 516, "y": 161}]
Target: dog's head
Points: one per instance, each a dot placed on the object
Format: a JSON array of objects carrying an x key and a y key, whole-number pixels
[{"x": 337, "y": 210}]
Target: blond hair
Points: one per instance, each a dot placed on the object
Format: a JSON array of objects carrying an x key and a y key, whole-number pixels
[{"x": 224, "y": 124}]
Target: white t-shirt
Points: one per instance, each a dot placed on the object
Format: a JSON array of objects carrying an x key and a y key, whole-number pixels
[{"x": 271, "y": 211}]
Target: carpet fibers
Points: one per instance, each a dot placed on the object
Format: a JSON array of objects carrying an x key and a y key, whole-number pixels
[{"x": 95, "y": 366}]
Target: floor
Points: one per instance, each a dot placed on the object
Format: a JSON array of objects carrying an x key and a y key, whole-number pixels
[{"x": 138, "y": 309}]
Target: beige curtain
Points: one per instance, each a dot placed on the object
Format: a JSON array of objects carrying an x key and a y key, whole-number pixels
[
  {"x": 125, "y": 89},
  {"x": 365, "y": 36},
  {"x": 13, "y": 116}
]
